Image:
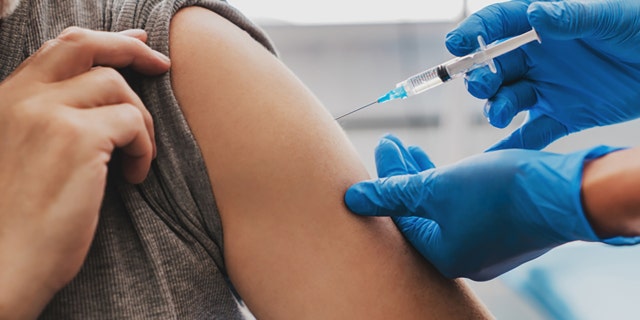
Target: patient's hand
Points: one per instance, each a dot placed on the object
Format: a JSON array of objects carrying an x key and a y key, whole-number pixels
[{"x": 60, "y": 120}]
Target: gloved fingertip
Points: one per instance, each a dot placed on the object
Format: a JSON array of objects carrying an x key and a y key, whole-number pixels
[
  {"x": 457, "y": 44},
  {"x": 384, "y": 141},
  {"x": 548, "y": 18},
  {"x": 391, "y": 138},
  {"x": 497, "y": 113},
  {"x": 481, "y": 83},
  {"x": 357, "y": 200},
  {"x": 544, "y": 10}
]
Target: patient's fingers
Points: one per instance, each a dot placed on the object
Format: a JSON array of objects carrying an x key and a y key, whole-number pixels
[
  {"x": 76, "y": 50},
  {"x": 123, "y": 126},
  {"x": 101, "y": 87}
]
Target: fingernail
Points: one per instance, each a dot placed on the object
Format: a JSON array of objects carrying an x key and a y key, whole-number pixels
[{"x": 162, "y": 56}]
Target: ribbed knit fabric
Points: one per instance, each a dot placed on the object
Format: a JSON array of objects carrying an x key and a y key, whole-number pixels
[{"x": 158, "y": 251}]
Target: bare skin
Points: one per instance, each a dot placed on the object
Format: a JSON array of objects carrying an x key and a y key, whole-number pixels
[
  {"x": 279, "y": 166},
  {"x": 60, "y": 120},
  {"x": 610, "y": 193}
]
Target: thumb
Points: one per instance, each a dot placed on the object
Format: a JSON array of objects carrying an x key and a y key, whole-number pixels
[
  {"x": 534, "y": 134},
  {"x": 393, "y": 196},
  {"x": 565, "y": 20}
]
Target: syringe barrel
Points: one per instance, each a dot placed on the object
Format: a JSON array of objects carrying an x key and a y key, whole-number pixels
[
  {"x": 425, "y": 80},
  {"x": 459, "y": 66},
  {"x": 501, "y": 47}
]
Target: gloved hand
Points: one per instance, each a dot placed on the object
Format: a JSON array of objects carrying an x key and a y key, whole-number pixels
[
  {"x": 484, "y": 215},
  {"x": 585, "y": 73}
]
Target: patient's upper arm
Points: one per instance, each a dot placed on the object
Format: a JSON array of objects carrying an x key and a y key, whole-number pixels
[{"x": 279, "y": 166}]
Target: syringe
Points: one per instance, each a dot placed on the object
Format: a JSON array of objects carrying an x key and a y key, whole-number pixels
[{"x": 454, "y": 68}]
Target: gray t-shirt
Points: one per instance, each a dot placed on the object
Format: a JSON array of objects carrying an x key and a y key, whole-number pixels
[{"x": 158, "y": 250}]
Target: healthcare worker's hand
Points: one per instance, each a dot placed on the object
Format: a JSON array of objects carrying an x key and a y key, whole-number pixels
[
  {"x": 484, "y": 215},
  {"x": 61, "y": 117},
  {"x": 585, "y": 73}
]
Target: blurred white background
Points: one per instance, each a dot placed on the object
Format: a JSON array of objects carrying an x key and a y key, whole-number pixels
[
  {"x": 349, "y": 52},
  {"x": 357, "y": 11}
]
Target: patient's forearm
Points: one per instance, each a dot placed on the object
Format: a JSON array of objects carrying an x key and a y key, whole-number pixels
[
  {"x": 279, "y": 166},
  {"x": 611, "y": 193}
]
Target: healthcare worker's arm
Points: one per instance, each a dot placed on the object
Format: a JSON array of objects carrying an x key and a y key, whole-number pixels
[
  {"x": 279, "y": 166},
  {"x": 489, "y": 213},
  {"x": 585, "y": 73},
  {"x": 60, "y": 120}
]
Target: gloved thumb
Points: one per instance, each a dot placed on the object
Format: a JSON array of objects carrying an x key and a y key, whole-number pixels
[
  {"x": 536, "y": 133},
  {"x": 566, "y": 20},
  {"x": 393, "y": 196}
]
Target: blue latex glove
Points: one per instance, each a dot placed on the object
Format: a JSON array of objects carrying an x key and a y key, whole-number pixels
[
  {"x": 585, "y": 73},
  {"x": 484, "y": 215}
]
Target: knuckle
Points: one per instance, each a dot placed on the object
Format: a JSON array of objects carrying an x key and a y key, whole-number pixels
[
  {"x": 51, "y": 122},
  {"x": 137, "y": 43},
  {"x": 75, "y": 39},
  {"x": 66, "y": 126},
  {"x": 29, "y": 112},
  {"x": 116, "y": 83},
  {"x": 72, "y": 34},
  {"x": 112, "y": 79},
  {"x": 134, "y": 115},
  {"x": 130, "y": 115},
  {"x": 46, "y": 49},
  {"x": 49, "y": 44}
]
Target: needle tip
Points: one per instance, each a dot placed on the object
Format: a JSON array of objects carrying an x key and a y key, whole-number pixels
[{"x": 355, "y": 110}]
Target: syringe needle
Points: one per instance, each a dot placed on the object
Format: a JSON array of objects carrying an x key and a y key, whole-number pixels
[{"x": 350, "y": 112}]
